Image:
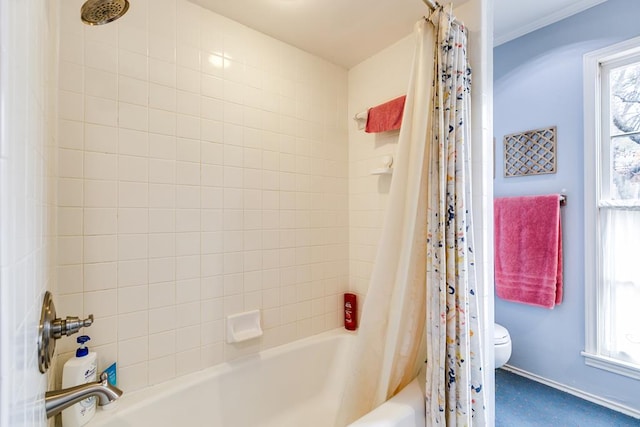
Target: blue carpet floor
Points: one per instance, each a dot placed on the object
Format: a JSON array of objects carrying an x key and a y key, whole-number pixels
[{"x": 521, "y": 402}]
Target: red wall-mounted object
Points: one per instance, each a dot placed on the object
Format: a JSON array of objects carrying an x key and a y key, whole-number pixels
[{"x": 350, "y": 311}]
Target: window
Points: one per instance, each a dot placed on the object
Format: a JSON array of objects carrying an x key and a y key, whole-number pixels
[{"x": 612, "y": 208}]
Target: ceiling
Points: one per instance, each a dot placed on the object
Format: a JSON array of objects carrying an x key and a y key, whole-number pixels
[
  {"x": 513, "y": 19},
  {"x": 346, "y": 32}
]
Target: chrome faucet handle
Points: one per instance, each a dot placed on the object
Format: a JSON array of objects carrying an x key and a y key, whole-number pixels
[
  {"x": 69, "y": 326},
  {"x": 52, "y": 328}
]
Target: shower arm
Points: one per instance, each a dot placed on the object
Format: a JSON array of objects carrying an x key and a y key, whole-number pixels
[{"x": 431, "y": 4}]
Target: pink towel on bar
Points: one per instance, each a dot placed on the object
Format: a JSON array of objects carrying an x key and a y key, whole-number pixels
[
  {"x": 528, "y": 250},
  {"x": 385, "y": 117}
]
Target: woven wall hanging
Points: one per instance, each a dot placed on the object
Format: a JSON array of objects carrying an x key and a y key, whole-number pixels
[{"x": 530, "y": 153}]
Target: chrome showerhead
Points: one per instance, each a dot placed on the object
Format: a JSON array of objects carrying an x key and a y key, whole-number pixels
[{"x": 99, "y": 12}]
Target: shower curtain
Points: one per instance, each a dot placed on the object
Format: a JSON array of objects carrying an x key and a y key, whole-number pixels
[
  {"x": 390, "y": 347},
  {"x": 454, "y": 388},
  {"x": 421, "y": 296}
]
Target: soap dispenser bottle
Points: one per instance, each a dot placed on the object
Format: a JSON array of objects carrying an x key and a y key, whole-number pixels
[{"x": 78, "y": 370}]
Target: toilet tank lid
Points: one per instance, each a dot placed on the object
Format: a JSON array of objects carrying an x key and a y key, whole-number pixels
[{"x": 500, "y": 334}]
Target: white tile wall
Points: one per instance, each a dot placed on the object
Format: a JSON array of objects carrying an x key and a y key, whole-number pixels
[
  {"x": 378, "y": 79},
  {"x": 27, "y": 194},
  {"x": 203, "y": 172}
]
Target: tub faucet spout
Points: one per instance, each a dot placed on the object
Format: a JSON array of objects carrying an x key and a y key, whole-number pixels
[{"x": 58, "y": 400}]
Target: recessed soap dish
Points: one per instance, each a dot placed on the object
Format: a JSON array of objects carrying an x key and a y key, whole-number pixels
[{"x": 243, "y": 326}]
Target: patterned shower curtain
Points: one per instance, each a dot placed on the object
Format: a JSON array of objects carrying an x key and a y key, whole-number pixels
[{"x": 454, "y": 388}]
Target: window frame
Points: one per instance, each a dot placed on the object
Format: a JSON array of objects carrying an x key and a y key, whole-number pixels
[{"x": 594, "y": 126}]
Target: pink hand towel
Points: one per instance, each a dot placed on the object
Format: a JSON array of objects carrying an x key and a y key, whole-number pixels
[
  {"x": 385, "y": 117},
  {"x": 528, "y": 250}
]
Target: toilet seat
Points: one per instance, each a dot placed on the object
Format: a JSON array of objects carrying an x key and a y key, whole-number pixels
[{"x": 500, "y": 335}]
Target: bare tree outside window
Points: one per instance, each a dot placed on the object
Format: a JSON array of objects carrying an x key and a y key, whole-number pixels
[{"x": 625, "y": 132}]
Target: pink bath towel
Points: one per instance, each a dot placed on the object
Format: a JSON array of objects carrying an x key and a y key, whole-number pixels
[
  {"x": 386, "y": 117},
  {"x": 528, "y": 250}
]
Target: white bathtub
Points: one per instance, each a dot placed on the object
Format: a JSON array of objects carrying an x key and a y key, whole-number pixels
[{"x": 297, "y": 384}]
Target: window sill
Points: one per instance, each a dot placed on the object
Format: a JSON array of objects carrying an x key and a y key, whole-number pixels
[{"x": 619, "y": 367}]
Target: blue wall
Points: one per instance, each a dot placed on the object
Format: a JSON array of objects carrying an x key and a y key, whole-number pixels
[{"x": 538, "y": 83}]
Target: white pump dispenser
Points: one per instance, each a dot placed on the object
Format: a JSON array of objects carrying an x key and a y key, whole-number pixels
[{"x": 78, "y": 370}]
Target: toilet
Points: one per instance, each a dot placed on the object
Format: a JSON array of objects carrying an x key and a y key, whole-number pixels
[{"x": 502, "y": 344}]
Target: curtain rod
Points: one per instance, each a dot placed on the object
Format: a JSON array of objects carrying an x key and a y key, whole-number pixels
[{"x": 431, "y": 4}]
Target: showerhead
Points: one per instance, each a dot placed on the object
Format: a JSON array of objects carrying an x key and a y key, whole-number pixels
[{"x": 99, "y": 12}]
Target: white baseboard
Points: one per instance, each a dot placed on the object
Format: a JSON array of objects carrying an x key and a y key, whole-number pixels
[{"x": 574, "y": 391}]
